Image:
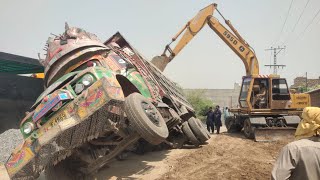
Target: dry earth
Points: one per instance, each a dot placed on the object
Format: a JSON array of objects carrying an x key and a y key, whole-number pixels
[{"x": 226, "y": 156}]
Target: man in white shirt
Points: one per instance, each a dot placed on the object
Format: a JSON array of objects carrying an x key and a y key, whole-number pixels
[{"x": 301, "y": 159}]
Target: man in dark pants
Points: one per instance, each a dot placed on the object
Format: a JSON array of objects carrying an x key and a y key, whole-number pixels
[
  {"x": 209, "y": 121},
  {"x": 217, "y": 118}
]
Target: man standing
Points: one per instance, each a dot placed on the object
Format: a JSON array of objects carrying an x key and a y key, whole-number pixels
[
  {"x": 301, "y": 159},
  {"x": 226, "y": 114},
  {"x": 209, "y": 121},
  {"x": 217, "y": 118}
]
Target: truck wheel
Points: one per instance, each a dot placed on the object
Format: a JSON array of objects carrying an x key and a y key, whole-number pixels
[
  {"x": 188, "y": 132},
  {"x": 248, "y": 129},
  {"x": 146, "y": 119},
  {"x": 204, "y": 129},
  {"x": 198, "y": 130}
]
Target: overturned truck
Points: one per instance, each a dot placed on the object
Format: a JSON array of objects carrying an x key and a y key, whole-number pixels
[{"x": 100, "y": 100}]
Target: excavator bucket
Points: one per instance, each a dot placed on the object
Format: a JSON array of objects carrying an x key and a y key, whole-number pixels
[
  {"x": 274, "y": 134},
  {"x": 160, "y": 62}
]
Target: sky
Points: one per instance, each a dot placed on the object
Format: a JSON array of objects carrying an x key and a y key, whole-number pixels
[{"x": 206, "y": 62}]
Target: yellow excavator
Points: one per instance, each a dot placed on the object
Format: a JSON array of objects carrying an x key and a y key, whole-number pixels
[{"x": 267, "y": 111}]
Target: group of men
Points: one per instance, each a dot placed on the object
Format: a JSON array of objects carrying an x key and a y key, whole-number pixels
[{"x": 214, "y": 119}]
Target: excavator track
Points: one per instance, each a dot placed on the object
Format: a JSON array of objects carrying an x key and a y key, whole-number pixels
[{"x": 63, "y": 145}]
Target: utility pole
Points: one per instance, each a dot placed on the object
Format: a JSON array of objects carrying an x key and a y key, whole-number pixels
[
  {"x": 276, "y": 51},
  {"x": 306, "y": 81}
]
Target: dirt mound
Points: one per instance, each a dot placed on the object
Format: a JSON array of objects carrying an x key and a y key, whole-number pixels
[{"x": 228, "y": 156}]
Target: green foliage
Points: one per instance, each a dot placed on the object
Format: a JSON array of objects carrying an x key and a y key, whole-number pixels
[
  {"x": 199, "y": 102},
  {"x": 304, "y": 89}
]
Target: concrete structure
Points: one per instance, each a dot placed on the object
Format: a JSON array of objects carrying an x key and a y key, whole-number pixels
[
  {"x": 222, "y": 97},
  {"x": 299, "y": 82},
  {"x": 315, "y": 97}
]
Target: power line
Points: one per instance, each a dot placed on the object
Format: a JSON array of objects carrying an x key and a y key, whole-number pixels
[
  {"x": 294, "y": 27},
  {"x": 285, "y": 21},
  {"x": 311, "y": 22},
  {"x": 314, "y": 17},
  {"x": 300, "y": 15}
]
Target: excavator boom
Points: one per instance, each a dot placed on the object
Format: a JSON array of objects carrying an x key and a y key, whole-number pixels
[{"x": 232, "y": 39}]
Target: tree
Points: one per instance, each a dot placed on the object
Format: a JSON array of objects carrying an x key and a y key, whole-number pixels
[
  {"x": 199, "y": 102},
  {"x": 305, "y": 89}
]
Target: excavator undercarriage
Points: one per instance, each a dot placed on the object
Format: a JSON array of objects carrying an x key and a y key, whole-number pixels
[{"x": 263, "y": 127}]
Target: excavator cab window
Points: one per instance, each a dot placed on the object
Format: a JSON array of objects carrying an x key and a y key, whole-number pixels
[
  {"x": 244, "y": 92},
  {"x": 280, "y": 90}
]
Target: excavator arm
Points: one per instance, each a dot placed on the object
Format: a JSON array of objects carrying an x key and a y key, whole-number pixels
[{"x": 232, "y": 39}]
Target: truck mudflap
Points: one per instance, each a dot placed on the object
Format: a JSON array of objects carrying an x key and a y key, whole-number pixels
[
  {"x": 269, "y": 134},
  {"x": 56, "y": 140}
]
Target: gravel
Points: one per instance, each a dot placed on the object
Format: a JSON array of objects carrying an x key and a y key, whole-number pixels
[{"x": 8, "y": 141}]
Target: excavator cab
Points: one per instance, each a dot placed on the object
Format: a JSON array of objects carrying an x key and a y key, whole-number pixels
[
  {"x": 254, "y": 93},
  {"x": 264, "y": 92}
]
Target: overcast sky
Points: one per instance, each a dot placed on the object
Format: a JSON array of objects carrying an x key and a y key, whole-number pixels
[{"x": 206, "y": 62}]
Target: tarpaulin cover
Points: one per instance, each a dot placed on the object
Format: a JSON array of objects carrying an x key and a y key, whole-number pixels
[{"x": 310, "y": 124}]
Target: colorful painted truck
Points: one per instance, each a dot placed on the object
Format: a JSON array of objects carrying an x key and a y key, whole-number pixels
[{"x": 100, "y": 99}]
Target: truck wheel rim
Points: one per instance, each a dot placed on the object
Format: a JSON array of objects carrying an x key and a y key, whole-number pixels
[{"x": 151, "y": 112}]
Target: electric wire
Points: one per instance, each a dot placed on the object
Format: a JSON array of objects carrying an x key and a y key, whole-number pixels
[
  {"x": 300, "y": 16},
  {"x": 314, "y": 17},
  {"x": 285, "y": 21},
  {"x": 294, "y": 27},
  {"x": 306, "y": 28}
]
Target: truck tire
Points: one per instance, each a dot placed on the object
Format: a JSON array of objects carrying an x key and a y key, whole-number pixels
[
  {"x": 188, "y": 132},
  {"x": 145, "y": 119},
  {"x": 198, "y": 130},
  {"x": 204, "y": 129},
  {"x": 248, "y": 129}
]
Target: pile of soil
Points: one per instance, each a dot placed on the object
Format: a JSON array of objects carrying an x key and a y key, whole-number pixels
[{"x": 228, "y": 156}]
